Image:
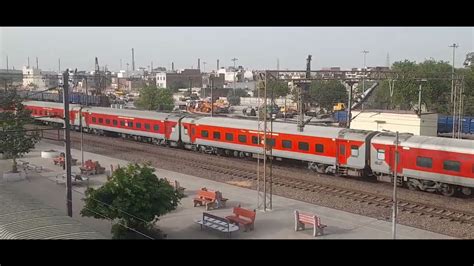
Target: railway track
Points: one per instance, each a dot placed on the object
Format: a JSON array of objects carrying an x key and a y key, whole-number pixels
[{"x": 206, "y": 163}]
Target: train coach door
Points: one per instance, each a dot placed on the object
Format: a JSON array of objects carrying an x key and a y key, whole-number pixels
[
  {"x": 391, "y": 159},
  {"x": 192, "y": 132},
  {"x": 341, "y": 152}
]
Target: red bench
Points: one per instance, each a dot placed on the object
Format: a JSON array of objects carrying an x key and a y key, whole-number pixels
[
  {"x": 208, "y": 198},
  {"x": 243, "y": 217},
  {"x": 305, "y": 218}
]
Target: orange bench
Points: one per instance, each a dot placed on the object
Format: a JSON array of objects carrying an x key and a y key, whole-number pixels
[
  {"x": 244, "y": 217},
  {"x": 305, "y": 218},
  {"x": 209, "y": 198},
  {"x": 92, "y": 168},
  {"x": 58, "y": 160}
]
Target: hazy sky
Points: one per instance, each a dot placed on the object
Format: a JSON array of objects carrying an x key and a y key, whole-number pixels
[{"x": 255, "y": 47}]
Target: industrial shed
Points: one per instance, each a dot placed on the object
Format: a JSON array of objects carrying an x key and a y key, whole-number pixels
[{"x": 403, "y": 121}]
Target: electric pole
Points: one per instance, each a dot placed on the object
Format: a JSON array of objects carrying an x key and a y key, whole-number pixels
[
  {"x": 365, "y": 69},
  {"x": 235, "y": 70},
  {"x": 68, "y": 143},
  {"x": 454, "y": 46},
  {"x": 395, "y": 177}
]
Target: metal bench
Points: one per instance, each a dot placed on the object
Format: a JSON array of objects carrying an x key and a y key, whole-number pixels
[{"x": 217, "y": 223}]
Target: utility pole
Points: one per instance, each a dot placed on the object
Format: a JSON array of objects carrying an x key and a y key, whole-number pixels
[
  {"x": 453, "y": 89},
  {"x": 212, "y": 96},
  {"x": 133, "y": 59},
  {"x": 37, "y": 65},
  {"x": 302, "y": 90},
  {"x": 349, "y": 105},
  {"x": 395, "y": 202},
  {"x": 365, "y": 69},
  {"x": 68, "y": 142},
  {"x": 454, "y": 46},
  {"x": 235, "y": 70},
  {"x": 419, "y": 96}
]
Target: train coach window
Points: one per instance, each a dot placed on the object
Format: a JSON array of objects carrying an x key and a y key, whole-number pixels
[
  {"x": 270, "y": 142},
  {"x": 122, "y": 123},
  {"x": 147, "y": 126},
  {"x": 114, "y": 122},
  {"x": 424, "y": 162},
  {"x": 229, "y": 136},
  {"x": 107, "y": 121},
  {"x": 254, "y": 140},
  {"x": 381, "y": 154},
  {"x": 242, "y": 138},
  {"x": 156, "y": 127},
  {"x": 101, "y": 120},
  {"x": 286, "y": 144},
  {"x": 139, "y": 125},
  {"x": 130, "y": 124},
  {"x": 93, "y": 119},
  {"x": 303, "y": 146},
  {"x": 319, "y": 148},
  {"x": 217, "y": 135},
  {"x": 452, "y": 166},
  {"x": 204, "y": 133},
  {"x": 354, "y": 151}
]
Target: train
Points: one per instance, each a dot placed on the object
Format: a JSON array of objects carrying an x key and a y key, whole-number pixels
[
  {"x": 74, "y": 97},
  {"x": 430, "y": 164}
]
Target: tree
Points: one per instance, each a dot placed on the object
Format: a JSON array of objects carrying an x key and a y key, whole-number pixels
[
  {"x": 14, "y": 140},
  {"x": 153, "y": 98},
  {"x": 233, "y": 97},
  {"x": 134, "y": 197},
  {"x": 435, "y": 93},
  {"x": 326, "y": 93},
  {"x": 280, "y": 89}
]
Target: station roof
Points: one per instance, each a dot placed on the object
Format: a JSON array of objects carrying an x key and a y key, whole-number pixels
[{"x": 23, "y": 217}]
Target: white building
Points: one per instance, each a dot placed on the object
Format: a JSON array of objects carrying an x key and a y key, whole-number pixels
[
  {"x": 161, "y": 79},
  {"x": 401, "y": 121},
  {"x": 34, "y": 77}
]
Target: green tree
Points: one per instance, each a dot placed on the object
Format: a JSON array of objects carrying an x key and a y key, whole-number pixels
[
  {"x": 134, "y": 197},
  {"x": 233, "y": 97},
  {"x": 280, "y": 89},
  {"x": 153, "y": 98},
  {"x": 14, "y": 140},
  {"x": 326, "y": 93},
  {"x": 435, "y": 92}
]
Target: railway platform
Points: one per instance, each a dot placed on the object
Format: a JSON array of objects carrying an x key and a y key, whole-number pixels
[{"x": 179, "y": 224}]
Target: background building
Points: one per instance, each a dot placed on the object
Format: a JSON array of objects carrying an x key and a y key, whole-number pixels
[{"x": 401, "y": 121}]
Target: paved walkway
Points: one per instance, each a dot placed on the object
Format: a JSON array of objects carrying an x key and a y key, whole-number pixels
[{"x": 275, "y": 224}]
